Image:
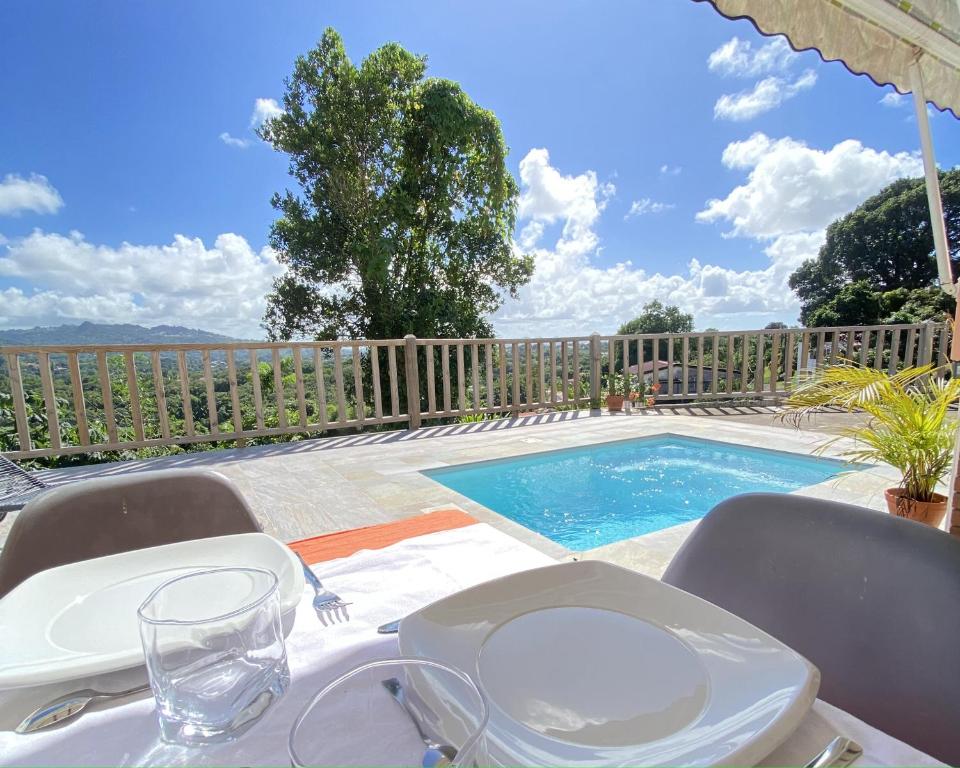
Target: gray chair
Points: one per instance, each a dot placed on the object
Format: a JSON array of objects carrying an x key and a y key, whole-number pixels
[
  {"x": 104, "y": 516},
  {"x": 872, "y": 600}
]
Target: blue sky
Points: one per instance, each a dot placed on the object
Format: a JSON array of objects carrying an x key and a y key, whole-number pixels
[{"x": 120, "y": 200}]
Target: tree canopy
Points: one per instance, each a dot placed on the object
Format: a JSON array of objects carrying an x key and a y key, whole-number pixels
[
  {"x": 883, "y": 247},
  {"x": 859, "y": 304},
  {"x": 655, "y": 317},
  {"x": 405, "y": 212}
]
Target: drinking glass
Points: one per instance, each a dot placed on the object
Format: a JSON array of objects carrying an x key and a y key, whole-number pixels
[
  {"x": 213, "y": 643},
  {"x": 393, "y": 712}
]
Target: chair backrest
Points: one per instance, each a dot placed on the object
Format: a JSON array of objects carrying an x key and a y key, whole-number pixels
[
  {"x": 17, "y": 486},
  {"x": 104, "y": 516},
  {"x": 872, "y": 600}
]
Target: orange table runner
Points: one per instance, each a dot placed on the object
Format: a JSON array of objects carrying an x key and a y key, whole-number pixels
[{"x": 330, "y": 546}]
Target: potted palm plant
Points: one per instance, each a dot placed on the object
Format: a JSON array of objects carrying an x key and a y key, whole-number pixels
[{"x": 910, "y": 427}]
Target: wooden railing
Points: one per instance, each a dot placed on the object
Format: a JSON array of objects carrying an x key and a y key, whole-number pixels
[
  {"x": 61, "y": 400},
  {"x": 764, "y": 363}
]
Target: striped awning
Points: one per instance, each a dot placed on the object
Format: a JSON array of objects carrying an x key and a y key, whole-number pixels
[{"x": 880, "y": 39}]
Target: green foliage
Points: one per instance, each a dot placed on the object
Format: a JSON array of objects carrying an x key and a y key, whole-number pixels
[
  {"x": 202, "y": 411},
  {"x": 854, "y": 304},
  {"x": 905, "y": 306},
  {"x": 198, "y": 405},
  {"x": 655, "y": 317},
  {"x": 614, "y": 385},
  {"x": 476, "y": 418},
  {"x": 859, "y": 304},
  {"x": 886, "y": 244},
  {"x": 911, "y": 425},
  {"x": 404, "y": 218}
]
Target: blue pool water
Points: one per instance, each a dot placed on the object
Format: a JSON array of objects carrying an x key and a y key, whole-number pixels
[{"x": 590, "y": 496}]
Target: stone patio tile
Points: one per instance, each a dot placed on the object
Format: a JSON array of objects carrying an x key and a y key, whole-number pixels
[{"x": 310, "y": 487}]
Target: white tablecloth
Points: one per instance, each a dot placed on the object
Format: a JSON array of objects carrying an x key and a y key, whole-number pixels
[{"x": 382, "y": 585}]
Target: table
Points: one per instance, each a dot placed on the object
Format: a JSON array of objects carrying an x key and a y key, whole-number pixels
[{"x": 383, "y": 585}]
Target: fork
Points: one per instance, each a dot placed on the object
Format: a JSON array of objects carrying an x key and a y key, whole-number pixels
[
  {"x": 839, "y": 752},
  {"x": 325, "y": 603}
]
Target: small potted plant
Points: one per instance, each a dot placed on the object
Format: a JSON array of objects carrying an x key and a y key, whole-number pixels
[
  {"x": 648, "y": 395},
  {"x": 910, "y": 427},
  {"x": 614, "y": 393}
]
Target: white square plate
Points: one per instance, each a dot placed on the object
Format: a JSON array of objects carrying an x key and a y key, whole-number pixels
[
  {"x": 80, "y": 619},
  {"x": 592, "y": 664}
]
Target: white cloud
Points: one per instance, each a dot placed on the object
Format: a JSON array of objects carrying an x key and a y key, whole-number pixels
[
  {"x": 739, "y": 58},
  {"x": 794, "y": 188},
  {"x": 548, "y": 196},
  {"x": 893, "y": 99},
  {"x": 670, "y": 170},
  {"x": 263, "y": 110},
  {"x": 531, "y": 233},
  {"x": 222, "y": 288},
  {"x": 233, "y": 141},
  {"x": 569, "y": 293},
  {"x": 791, "y": 194},
  {"x": 645, "y": 205},
  {"x": 767, "y": 94},
  {"x": 34, "y": 194}
]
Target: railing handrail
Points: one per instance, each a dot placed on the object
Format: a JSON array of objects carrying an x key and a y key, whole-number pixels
[
  {"x": 359, "y": 383},
  {"x": 769, "y": 331},
  {"x": 306, "y": 343}
]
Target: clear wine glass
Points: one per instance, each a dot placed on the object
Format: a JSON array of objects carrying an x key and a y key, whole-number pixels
[{"x": 393, "y": 712}]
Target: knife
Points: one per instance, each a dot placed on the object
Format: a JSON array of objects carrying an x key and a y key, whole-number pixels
[{"x": 390, "y": 628}]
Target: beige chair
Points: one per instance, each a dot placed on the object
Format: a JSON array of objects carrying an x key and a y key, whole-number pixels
[
  {"x": 108, "y": 515},
  {"x": 872, "y": 600}
]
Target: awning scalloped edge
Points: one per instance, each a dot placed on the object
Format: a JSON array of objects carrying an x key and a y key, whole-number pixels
[{"x": 823, "y": 57}]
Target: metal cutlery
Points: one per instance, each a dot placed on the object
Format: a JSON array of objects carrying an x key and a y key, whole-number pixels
[
  {"x": 390, "y": 628},
  {"x": 839, "y": 752},
  {"x": 69, "y": 706},
  {"x": 326, "y": 604},
  {"x": 436, "y": 754}
]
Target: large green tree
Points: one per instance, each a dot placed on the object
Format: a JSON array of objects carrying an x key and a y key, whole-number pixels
[
  {"x": 885, "y": 244},
  {"x": 405, "y": 211},
  {"x": 655, "y": 317}
]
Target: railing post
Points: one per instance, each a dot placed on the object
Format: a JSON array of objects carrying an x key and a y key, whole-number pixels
[
  {"x": 595, "y": 370},
  {"x": 413, "y": 380},
  {"x": 925, "y": 347}
]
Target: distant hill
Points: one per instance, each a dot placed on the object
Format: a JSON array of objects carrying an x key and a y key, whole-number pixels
[{"x": 103, "y": 333}]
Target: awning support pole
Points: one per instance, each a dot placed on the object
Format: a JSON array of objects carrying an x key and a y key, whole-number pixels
[
  {"x": 937, "y": 224},
  {"x": 939, "y": 228}
]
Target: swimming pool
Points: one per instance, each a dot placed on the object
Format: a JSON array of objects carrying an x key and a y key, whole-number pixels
[{"x": 594, "y": 495}]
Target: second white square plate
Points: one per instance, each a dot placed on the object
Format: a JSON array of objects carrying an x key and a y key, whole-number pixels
[{"x": 592, "y": 664}]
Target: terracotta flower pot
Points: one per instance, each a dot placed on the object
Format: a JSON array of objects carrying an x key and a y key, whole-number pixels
[
  {"x": 929, "y": 512},
  {"x": 614, "y": 402}
]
